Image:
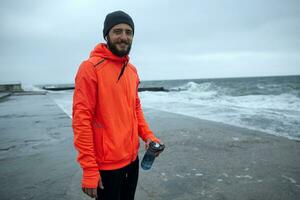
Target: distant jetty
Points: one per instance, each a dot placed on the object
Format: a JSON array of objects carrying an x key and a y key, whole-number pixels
[
  {"x": 71, "y": 87},
  {"x": 10, "y": 87},
  {"x": 7, "y": 89},
  {"x": 59, "y": 87},
  {"x": 153, "y": 89},
  {"x": 17, "y": 87}
]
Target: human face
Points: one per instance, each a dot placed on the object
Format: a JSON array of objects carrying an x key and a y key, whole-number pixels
[{"x": 119, "y": 39}]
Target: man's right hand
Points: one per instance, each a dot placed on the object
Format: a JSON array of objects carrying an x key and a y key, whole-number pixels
[
  {"x": 92, "y": 192},
  {"x": 147, "y": 144}
]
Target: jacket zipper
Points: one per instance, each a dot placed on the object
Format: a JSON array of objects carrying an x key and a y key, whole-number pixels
[
  {"x": 122, "y": 70},
  {"x": 127, "y": 85}
]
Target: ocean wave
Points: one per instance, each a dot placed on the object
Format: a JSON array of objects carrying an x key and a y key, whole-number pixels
[
  {"x": 274, "y": 114},
  {"x": 271, "y": 107}
]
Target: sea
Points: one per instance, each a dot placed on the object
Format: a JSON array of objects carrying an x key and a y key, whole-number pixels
[{"x": 267, "y": 104}]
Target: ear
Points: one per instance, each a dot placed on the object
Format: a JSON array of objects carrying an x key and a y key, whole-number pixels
[{"x": 105, "y": 38}]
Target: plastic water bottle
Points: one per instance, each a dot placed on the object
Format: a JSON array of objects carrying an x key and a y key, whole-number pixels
[{"x": 149, "y": 156}]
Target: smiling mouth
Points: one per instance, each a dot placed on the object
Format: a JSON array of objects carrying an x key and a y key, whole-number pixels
[{"x": 123, "y": 45}]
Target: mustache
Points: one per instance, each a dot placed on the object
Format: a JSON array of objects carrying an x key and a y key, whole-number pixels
[{"x": 123, "y": 42}]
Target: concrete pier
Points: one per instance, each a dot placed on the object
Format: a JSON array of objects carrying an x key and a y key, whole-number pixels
[
  {"x": 202, "y": 160},
  {"x": 10, "y": 87}
]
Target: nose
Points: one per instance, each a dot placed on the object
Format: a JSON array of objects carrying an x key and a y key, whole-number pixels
[{"x": 124, "y": 35}]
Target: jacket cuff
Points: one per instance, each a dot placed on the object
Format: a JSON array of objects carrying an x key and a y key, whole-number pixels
[
  {"x": 90, "y": 178},
  {"x": 153, "y": 138}
]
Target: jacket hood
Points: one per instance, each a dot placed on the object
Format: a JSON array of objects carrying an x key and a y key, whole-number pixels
[{"x": 102, "y": 51}]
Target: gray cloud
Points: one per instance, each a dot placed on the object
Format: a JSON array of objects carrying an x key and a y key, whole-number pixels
[{"x": 45, "y": 41}]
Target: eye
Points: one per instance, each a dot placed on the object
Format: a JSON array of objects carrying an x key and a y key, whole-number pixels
[
  {"x": 117, "y": 31},
  {"x": 129, "y": 32}
]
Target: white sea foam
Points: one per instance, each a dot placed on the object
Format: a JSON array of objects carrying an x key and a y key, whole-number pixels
[
  {"x": 274, "y": 114},
  {"x": 29, "y": 88}
]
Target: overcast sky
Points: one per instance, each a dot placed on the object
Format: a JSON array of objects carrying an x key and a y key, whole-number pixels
[{"x": 45, "y": 41}]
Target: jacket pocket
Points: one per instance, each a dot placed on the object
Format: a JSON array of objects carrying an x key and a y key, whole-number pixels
[{"x": 116, "y": 147}]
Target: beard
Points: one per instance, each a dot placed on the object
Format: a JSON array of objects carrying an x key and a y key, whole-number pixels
[{"x": 113, "y": 47}]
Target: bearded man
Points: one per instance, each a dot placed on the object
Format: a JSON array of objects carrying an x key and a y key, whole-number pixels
[{"x": 107, "y": 115}]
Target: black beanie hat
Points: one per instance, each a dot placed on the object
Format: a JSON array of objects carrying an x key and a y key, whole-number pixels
[{"x": 115, "y": 18}]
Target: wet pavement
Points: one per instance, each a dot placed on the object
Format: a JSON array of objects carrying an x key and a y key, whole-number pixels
[
  {"x": 36, "y": 149},
  {"x": 202, "y": 159}
]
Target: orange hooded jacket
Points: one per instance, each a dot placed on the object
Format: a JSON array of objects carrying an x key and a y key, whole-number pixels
[{"x": 107, "y": 114}]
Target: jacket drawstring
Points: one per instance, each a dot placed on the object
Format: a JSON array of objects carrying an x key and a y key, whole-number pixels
[{"x": 122, "y": 70}]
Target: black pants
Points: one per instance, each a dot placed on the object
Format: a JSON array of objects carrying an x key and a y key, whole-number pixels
[{"x": 119, "y": 184}]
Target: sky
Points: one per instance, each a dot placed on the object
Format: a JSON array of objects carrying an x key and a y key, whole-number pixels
[{"x": 45, "y": 41}]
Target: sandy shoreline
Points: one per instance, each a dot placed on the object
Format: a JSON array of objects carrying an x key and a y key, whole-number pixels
[{"x": 203, "y": 159}]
